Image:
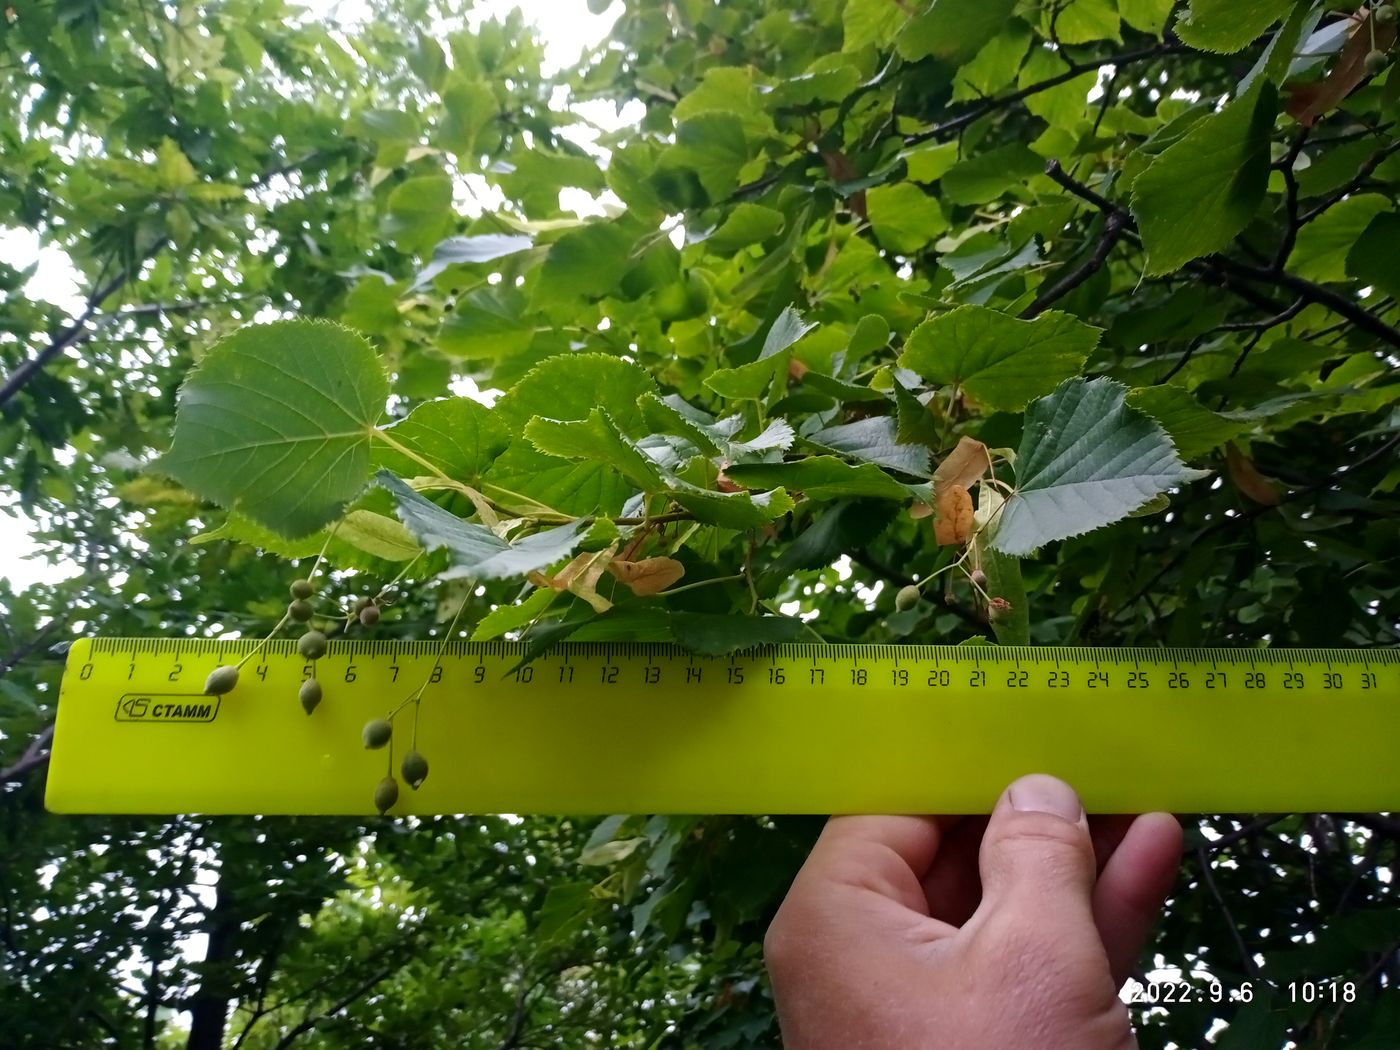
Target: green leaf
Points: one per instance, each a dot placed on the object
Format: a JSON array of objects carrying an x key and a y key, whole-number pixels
[
  {"x": 173, "y": 168},
  {"x": 710, "y": 634},
  {"x": 595, "y": 439},
  {"x": 928, "y": 163},
  {"x": 874, "y": 440},
  {"x": 820, "y": 478},
  {"x": 476, "y": 552},
  {"x": 751, "y": 381},
  {"x": 1200, "y": 192},
  {"x": 915, "y": 423},
  {"x": 1150, "y": 16},
  {"x": 787, "y": 330},
  {"x": 377, "y": 536},
  {"x": 1325, "y": 244},
  {"x": 571, "y": 386},
  {"x": 1086, "y": 460},
  {"x": 746, "y": 382},
  {"x": 713, "y": 146},
  {"x": 487, "y": 323},
  {"x": 731, "y": 510},
  {"x": 671, "y": 415},
  {"x": 481, "y": 248},
  {"x": 994, "y": 67},
  {"x": 393, "y": 125},
  {"x": 1371, "y": 259},
  {"x": 1194, "y": 429},
  {"x": 584, "y": 263},
  {"x": 987, "y": 176},
  {"x": 872, "y": 332},
  {"x": 1084, "y": 21},
  {"x": 562, "y": 485},
  {"x": 728, "y": 91},
  {"x": 469, "y": 105},
  {"x": 999, "y": 360},
  {"x": 904, "y": 217},
  {"x": 871, "y": 22},
  {"x": 419, "y": 212},
  {"x": 744, "y": 225},
  {"x": 1061, "y": 106},
  {"x": 1227, "y": 26},
  {"x": 363, "y": 539},
  {"x": 953, "y": 30},
  {"x": 505, "y": 618},
  {"x": 839, "y": 388},
  {"x": 276, "y": 422},
  {"x": 457, "y": 437}
]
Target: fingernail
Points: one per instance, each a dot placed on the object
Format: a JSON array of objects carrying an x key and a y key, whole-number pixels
[{"x": 1039, "y": 793}]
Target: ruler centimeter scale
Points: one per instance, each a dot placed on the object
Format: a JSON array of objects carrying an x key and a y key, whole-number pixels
[{"x": 600, "y": 727}]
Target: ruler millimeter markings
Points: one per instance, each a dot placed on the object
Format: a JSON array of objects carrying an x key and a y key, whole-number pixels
[{"x": 648, "y": 728}]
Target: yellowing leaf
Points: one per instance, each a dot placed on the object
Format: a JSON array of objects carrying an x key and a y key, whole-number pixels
[
  {"x": 955, "y": 516},
  {"x": 1246, "y": 477},
  {"x": 581, "y": 577},
  {"x": 648, "y": 576},
  {"x": 965, "y": 465}
]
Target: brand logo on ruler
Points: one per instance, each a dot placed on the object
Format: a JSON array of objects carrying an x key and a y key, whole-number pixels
[{"x": 167, "y": 707}]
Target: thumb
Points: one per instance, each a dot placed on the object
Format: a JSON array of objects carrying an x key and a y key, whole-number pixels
[{"x": 1037, "y": 853}]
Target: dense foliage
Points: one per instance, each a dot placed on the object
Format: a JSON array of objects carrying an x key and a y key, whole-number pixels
[{"x": 1087, "y": 306}]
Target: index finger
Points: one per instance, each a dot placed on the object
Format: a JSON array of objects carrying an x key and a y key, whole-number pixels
[{"x": 887, "y": 854}]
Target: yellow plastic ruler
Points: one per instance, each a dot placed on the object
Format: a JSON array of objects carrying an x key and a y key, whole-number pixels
[{"x": 644, "y": 728}]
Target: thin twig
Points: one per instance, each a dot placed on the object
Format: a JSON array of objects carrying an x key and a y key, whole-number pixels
[{"x": 1208, "y": 877}]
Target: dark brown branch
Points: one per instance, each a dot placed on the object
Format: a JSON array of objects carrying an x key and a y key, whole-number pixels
[
  {"x": 1074, "y": 69},
  {"x": 78, "y": 331},
  {"x": 1337, "y": 303},
  {"x": 35, "y": 755},
  {"x": 1282, "y": 317},
  {"x": 1290, "y": 230},
  {"x": 1364, "y": 172},
  {"x": 38, "y": 641},
  {"x": 1112, "y": 230},
  {"x": 1243, "y": 832},
  {"x": 1208, "y": 877},
  {"x": 310, "y": 1021},
  {"x": 1234, "y": 275},
  {"x": 70, "y": 336}
]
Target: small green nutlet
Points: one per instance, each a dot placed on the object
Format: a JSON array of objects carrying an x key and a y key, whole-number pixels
[
  {"x": 908, "y": 597},
  {"x": 310, "y": 695},
  {"x": 978, "y": 577},
  {"x": 1384, "y": 16},
  {"x": 414, "y": 769},
  {"x": 1375, "y": 62},
  {"x": 369, "y": 615},
  {"x": 312, "y": 645},
  {"x": 300, "y": 610},
  {"x": 376, "y": 733},
  {"x": 302, "y": 589},
  {"x": 362, "y": 603},
  {"x": 386, "y": 793},
  {"x": 221, "y": 680}
]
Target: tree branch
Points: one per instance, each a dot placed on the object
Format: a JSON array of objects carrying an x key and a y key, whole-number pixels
[
  {"x": 1002, "y": 102},
  {"x": 309, "y": 1021},
  {"x": 1112, "y": 230},
  {"x": 78, "y": 331},
  {"x": 70, "y": 336},
  {"x": 35, "y": 755},
  {"x": 1232, "y": 274}
]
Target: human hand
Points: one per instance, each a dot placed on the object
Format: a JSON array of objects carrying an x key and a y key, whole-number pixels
[{"x": 1008, "y": 932}]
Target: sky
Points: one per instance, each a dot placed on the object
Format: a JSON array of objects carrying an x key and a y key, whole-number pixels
[{"x": 567, "y": 27}]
